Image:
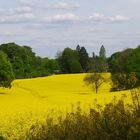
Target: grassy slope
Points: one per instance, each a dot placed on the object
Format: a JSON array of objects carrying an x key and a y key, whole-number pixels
[{"x": 32, "y": 99}]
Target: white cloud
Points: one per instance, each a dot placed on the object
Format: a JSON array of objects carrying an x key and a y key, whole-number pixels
[
  {"x": 60, "y": 18},
  {"x": 98, "y": 17},
  {"x": 40, "y": 4},
  {"x": 17, "y": 18},
  {"x": 13, "y": 15},
  {"x": 18, "y": 10},
  {"x": 23, "y": 9},
  {"x": 118, "y": 18},
  {"x": 27, "y": 2},
  {"x": 63, "y": 5}
]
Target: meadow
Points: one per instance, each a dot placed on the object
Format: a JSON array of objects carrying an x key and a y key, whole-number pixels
[{"x": 32, "y": 100}]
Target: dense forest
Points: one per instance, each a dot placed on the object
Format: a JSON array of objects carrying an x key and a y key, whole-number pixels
[{"x": 21, "y": 62}]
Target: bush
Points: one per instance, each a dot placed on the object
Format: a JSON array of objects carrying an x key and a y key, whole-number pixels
[
  {"x": 113, "y": 122},
  {"x": 1, "y": 138},
  {"x": 123, "y": 81}
]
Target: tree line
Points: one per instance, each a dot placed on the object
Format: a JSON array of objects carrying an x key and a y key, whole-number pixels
[
  {"x": 21, "y": 62},
  {"x": 17, "y": 62}
]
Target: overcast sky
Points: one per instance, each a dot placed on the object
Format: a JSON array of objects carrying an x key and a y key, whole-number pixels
[{"x": 51, "y": 25}]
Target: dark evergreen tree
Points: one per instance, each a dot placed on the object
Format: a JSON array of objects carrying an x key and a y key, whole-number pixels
[
  {"x": 102, "y": 52},
  {"x": 84, "y": 59},
  {"x": 78, "y": 48},
  {"x": 93, "y": 55}
]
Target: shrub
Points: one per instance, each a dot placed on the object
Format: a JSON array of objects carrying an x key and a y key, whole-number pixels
[
  {"x": 115, "y": 121},
  {"x": 123, "y": 81}
]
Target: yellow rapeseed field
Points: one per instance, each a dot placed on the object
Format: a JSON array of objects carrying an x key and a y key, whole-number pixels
[{"x": 31, "y": 100}]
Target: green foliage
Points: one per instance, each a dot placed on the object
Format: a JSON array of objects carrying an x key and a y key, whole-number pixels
[
  {"x": 69, "y": 61},
  {"x": 95, "y": 80},
  {"x": 123, "y": 65},
  {"x": 120, "y": 61},
  {"x": 115, "y": 121},
  {"x": 39, "y": 67},
  {"x": 51, "y": 65},
  {"x": 98, "y": 64},
  {"x": 6, "y": 73},
  {"x": 2, "y": 138},
  {"x": 133, "y": 64},
  {"x": 123, "y": 81},
  {"x": 102, "y": 52},
  {"x": 135, "y": 94},
  {"x": 83, "y": 58},
  {"x": 74, "y": 61},
  {"x": 25, "y": 64},
  {"x": 21, "y": 59},
  {"x": 114, "y": 62}
]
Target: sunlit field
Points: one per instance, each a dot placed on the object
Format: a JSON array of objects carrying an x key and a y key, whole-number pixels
[{"x": 33, "y": 100}]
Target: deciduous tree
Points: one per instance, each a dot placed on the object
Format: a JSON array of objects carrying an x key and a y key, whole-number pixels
[
  {"x": 6, "y": 72},
  {"x": 95, "y": 80}
]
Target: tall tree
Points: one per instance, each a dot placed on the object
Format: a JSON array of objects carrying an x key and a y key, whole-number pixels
[
  {"x": 93, "y": 55},
  {"x": 22, "y": 59},
  {"x": 102, "y": 52},
  {"x": 99, "y": 63},
  {"x": 78, "y": 48},
  {"x": 18, "y": 57},
  {"x": 69, "y": 61},
  {"x": 84, "y": 59},
  {"x": 6, "y": 72}
]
